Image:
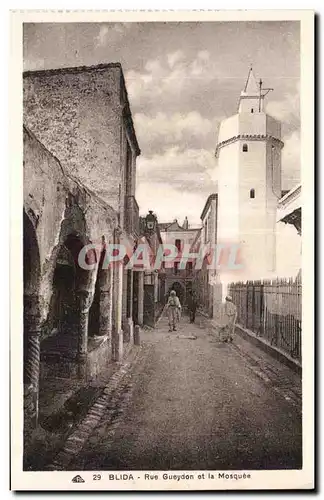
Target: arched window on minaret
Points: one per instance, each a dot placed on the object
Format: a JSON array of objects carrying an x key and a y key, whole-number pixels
[
  {"x": 252, "y": 193},
  {"x": 245, "y": 148}
]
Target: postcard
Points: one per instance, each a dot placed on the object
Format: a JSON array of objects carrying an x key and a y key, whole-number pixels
[{"x": 162, "y": 169}]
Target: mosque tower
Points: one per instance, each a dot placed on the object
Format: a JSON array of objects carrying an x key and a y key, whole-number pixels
[{"x": 249, "y": 183}]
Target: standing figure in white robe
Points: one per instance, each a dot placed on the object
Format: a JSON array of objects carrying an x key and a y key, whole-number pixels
[{"x": 173, "y": 309}]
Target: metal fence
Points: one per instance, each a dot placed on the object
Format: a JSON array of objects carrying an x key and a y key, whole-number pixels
[{"x": 272, "y": 310}]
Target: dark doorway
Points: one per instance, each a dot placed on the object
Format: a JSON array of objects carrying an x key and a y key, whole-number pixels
[
  {"x": 63, "y": 303},
  {"x": 62, "y": 323},
  {"x": 149, "y": 305}
]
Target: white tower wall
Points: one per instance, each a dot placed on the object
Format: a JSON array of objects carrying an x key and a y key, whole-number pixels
[
  {"x": 228, "y": 222},
  {"x": 249, "y": 184}
]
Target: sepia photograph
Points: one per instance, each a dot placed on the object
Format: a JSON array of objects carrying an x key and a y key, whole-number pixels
[{"x": 164, "y": 340}]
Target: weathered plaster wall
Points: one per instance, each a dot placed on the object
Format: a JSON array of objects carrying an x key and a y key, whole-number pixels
[
  {"x": 58, "y": 206},
  {"x": 77, "y": 115},
  {"x": 45, "y": 193},
  {"x": 288, "y": 250}
]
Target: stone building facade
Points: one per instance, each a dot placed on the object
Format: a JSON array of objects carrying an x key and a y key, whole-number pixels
[
  {"x": 180, "y": 280},
  {"x": 70, "y": 314},
  {"x": 82, "y": 116},
  {"x": 207, "y": 281},
  {"x": 80, "y": 152}
]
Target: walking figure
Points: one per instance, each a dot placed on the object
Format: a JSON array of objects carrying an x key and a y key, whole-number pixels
[
  {"x": 174, "y": 310},
  {"x": 230, "y": 314},
  {"x": 192, "y": 306}
]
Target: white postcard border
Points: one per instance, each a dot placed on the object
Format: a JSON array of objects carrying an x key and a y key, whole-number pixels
[{"x": 268, "y": 479}]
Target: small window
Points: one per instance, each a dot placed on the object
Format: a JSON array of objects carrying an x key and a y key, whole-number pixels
[
  {"x": 252, "y": 193},
  {"x": 176, "y": 268},
  {"x": 245, "y": 148},
  {"x": 178, "y": 245},
  {"x": 252, "y": 110}
]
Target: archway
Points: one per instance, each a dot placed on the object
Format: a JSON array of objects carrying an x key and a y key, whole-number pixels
[
  {"x": 63, "y": 302},
  {"x": 62, "y": 322}
]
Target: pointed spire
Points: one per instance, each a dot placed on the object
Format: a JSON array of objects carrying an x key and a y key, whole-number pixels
[
  {"x": 251, "y": 87},
  {"x": 252, "y": 97}
]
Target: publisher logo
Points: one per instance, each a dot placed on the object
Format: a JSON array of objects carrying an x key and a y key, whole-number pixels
[{"x": 78, "y": 479}]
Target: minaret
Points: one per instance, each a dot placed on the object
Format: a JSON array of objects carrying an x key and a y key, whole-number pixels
[{"x": 249, "y": 184}]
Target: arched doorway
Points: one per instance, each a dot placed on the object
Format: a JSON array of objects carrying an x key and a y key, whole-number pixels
[
  {"x": 63, "y": 309},
  {"x": 180, "y": 291},
  {"x": 62, "y": 322}
]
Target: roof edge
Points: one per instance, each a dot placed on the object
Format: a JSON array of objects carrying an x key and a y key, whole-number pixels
[
  {"x": 81, "y": 69},
  {"x": 211, "y": 197},
  {"x": 71, "y": 69}
]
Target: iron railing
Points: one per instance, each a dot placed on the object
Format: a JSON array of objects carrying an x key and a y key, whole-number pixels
[{"x": 272, "y": 310}]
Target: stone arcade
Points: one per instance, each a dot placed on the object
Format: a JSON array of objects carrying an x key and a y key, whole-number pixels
[{"x": 80, "y": 152}]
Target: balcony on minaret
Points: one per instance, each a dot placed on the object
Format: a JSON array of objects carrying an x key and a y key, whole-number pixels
[{"x": 251, "y": 123}]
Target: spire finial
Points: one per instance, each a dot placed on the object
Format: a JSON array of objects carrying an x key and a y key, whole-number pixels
[{"x": 251, "y": 86}]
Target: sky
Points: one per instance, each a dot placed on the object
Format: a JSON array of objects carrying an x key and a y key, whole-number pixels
[{"x": 182, "y": 80}]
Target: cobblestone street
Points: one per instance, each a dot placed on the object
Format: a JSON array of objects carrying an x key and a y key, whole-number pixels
[{"x": 192, "y": 402}]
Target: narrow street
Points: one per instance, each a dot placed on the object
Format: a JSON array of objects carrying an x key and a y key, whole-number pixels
[
  {"x": 162, "y": 172},
  {"x": 196, "y": 403}
]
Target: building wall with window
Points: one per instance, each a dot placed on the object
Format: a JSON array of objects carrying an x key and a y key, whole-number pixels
[
  {"x": 207, "y": 280},
  {"x": 82, "y": 116},
  {"x": 71, "y": 314},
  {"x": 80, "y": 152},
  {"x": 176, "y": 277}
]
